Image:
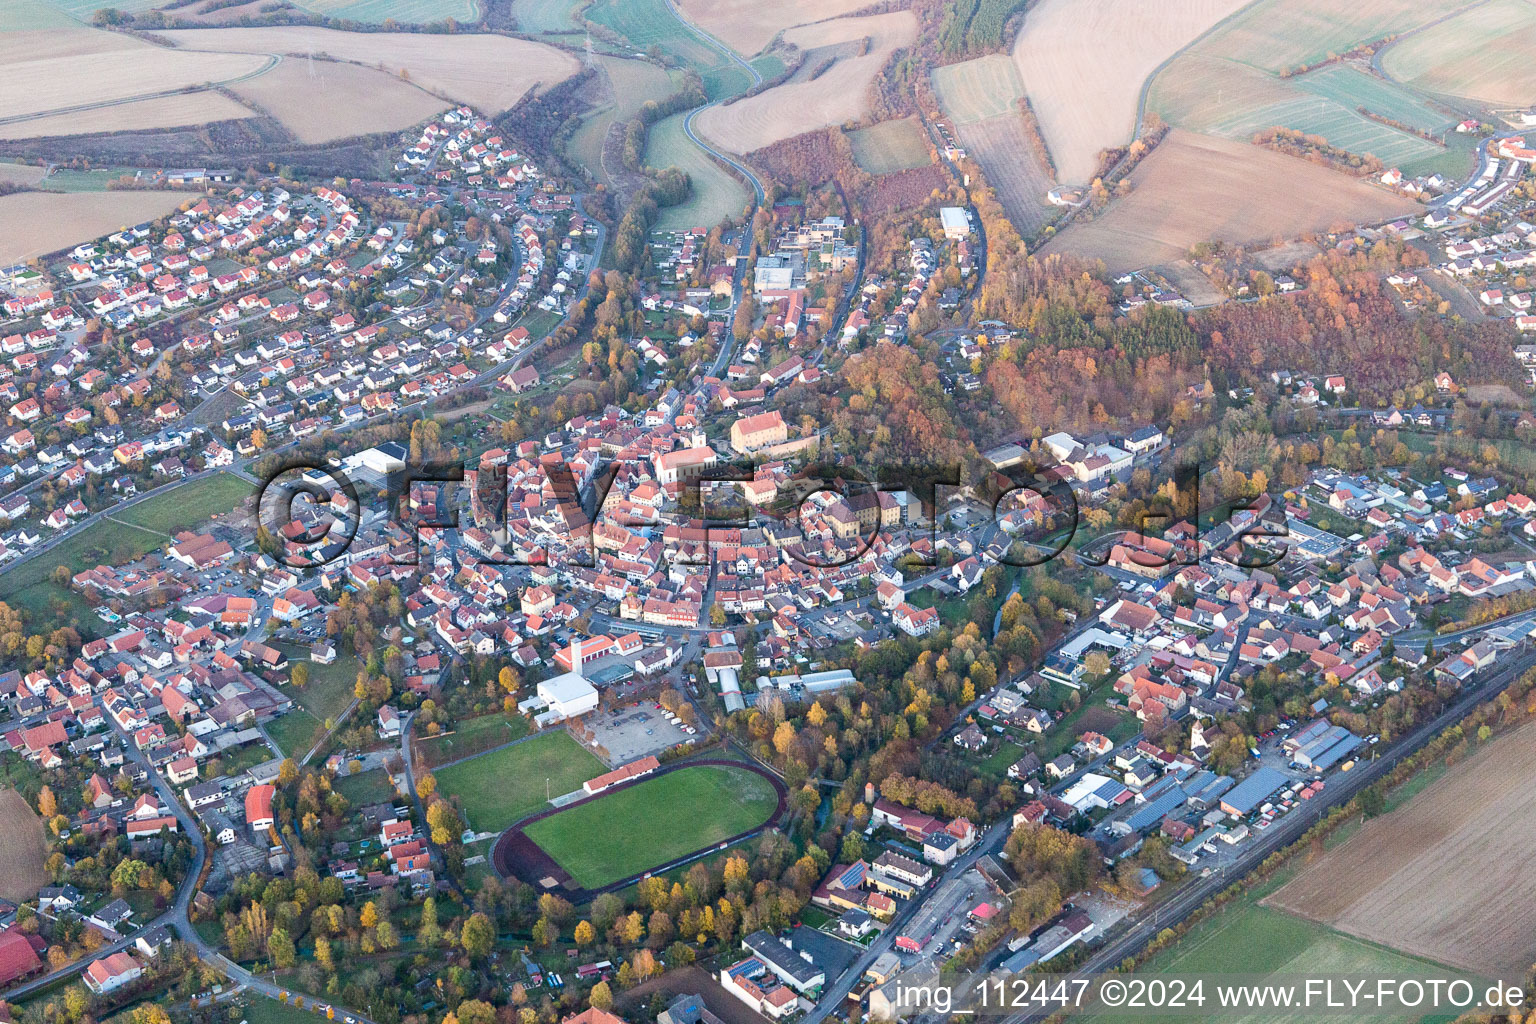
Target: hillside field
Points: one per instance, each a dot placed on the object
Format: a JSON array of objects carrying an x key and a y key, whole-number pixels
[
  {"x": 748, "y": 26},
  {"x": 488, "y": 72},
  {"x": 1083, "y": 63},
  {"x": 1194, "y": 188},
  {"x": 716, "y": 194},
  {"x": 1276, "y": 35},
  {"x": 629, "y": 84},
  {"x": 974, "y": 90},
  {"x": 647, "y": 23},
  {"x": 33, "y": 223},
  {"x": 1009, "y": 158},
  {"x": 323, "y": 100},
  {"x": 545, "y": 17},
  {"x": 48, "y": 71},
  {"x": 1483, "y": 53},
  {"x": 890, "y": 146},
  {"x": 1221, "y": 97},
  {"x": 838, "y": 95}
]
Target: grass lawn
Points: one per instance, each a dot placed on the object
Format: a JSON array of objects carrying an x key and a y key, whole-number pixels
[
  {"x": 714, "y": 193},
  {"x": 295, "y": 732},
  {"x": 261, "y": 1010},
  {"x": 474, "y": 734},
  {"x": 190, "y": 504},
  {"x": 1003, "y": 755},
  {"x": 330, "y": 687},
  {"x": 659, "y": 820},
  {"x": 371, "y": 787},
  {"x": 507, "y": 785}
]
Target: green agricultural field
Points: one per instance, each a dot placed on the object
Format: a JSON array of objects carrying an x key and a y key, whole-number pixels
[
  {"x": 890, "y": 146},
  {"x": 1235, "y": 101},
  {"x": 1484, "y": 54},
  {"x": 974, "y": 90},
  {"x": 1249, "y": 939},
  {"x": 80, "y": 10},
  {"x": 414, "y": 12},
  {"x": 659, "y": 820},
  {"x": 25, "y": 15},
  {"x": 716, "y": 194},
  {"x": 633, "y": 83},
  {"x": 768, "y": 65},
  {"x": 1276, "y": 35},
  {"x": 648, "y": 23},
  {"x": 1353, "y": 88},
  {"x": 507, "y": 785},
  {"x": 546, "y": 17}
]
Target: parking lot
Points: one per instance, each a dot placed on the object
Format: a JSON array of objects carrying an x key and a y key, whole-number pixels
[{"x": 630, "y": 732}]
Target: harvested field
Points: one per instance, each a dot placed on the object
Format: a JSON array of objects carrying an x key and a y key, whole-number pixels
[
  {"x": 1447, "y": 875},
  {"x": 628, "y": 84},
  {"x": 1188, "y": 280},
  {"x": 891, "y": 146},
  {"x": 838, "y": 95},
  {"x": 974, "y": 90},
  {"x": 21, "y": 848},
  {"x": 748, "y": 26},
  {"x": 487, "y": 72},
  {"x": 191, "y": 108},
  {"x": 1083, "y": 63},
  {"x": 716, "y": 194},
  {"x": 322, "y": 100},
  {"x": 1286, "y": 255},
  {"x": 1483, "y": 53},
  {"x": 1276, "y": 35},
  {"x": 1194, "y": 188},
  {"x": 1011, "y": 162},
  {"x": 33, "y": 223},
  {"x": 20, "y": 174},
  {"x": 45, "y": 72}
]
